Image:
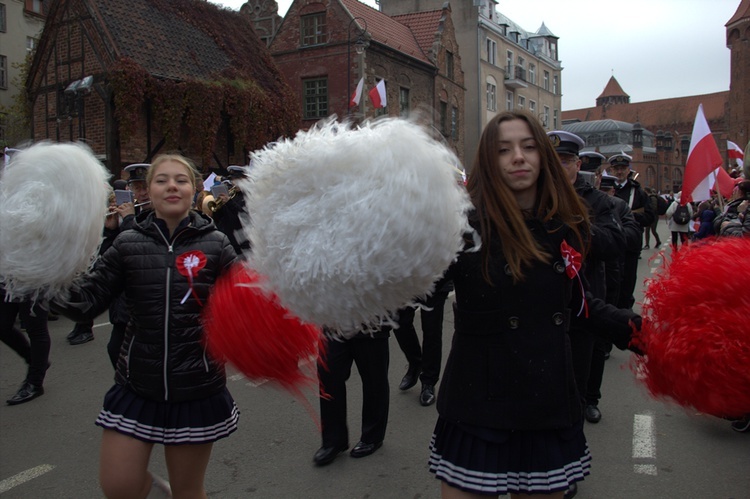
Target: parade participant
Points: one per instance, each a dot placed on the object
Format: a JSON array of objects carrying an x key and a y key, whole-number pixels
[
  {"x": 369, "y": 350},
  {"x": 636, "y": 198},
  {"x": 35, "y": 350},
  {"x": 613, "y": 269},
  {"x": 656, "y": 201},
  {"x": 679, "y": 227},
  {"x": 167, "y": 389},
  {"x": 424, "y": 361},
  {"x": 510, "y": 417},
  {"x": 230, "y": 208}
]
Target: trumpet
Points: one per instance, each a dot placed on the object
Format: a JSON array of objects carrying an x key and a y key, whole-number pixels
[
  {"x": 109, "y": 213},
  {"x": 215, "y": 205}
]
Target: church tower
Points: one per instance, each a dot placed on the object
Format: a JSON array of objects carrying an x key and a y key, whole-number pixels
[{"x": 738, "y": 42}]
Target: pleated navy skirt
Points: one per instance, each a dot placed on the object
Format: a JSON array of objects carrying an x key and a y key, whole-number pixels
[
  {"x": 192, "y": 422},
  {"x": 495, "y": 462}
]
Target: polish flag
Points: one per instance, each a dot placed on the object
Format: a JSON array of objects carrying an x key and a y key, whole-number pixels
[
  {"x": 702, "y": 162},
  {"x": 734, "y": 152},
  {"x": 377, "y": 95},
  {"x": 357, "y": 95}
]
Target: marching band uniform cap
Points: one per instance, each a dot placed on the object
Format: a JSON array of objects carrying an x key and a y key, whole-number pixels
[
  {"x": 237, "y": 171},
  {"x": 591, "y": 160},
  {"x": 607, "y": 182},
  {"x": 137, "y": 172},
  {"x": 565, "y": 142},
  {"x": 621, "y": 159}
]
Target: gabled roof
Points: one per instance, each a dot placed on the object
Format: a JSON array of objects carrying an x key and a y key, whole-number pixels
[
  {"x": 743, "y": 12},
  {"x": 544, "y": 31},
  {"x": 613, "y": 89},
  {"x": 174, "y": 39},
  {"x": 386, "y": 30},
  {"x": 424, "y": 26}
]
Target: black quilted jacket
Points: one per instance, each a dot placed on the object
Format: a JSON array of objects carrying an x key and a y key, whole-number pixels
[{"x": 163, "y": 357}]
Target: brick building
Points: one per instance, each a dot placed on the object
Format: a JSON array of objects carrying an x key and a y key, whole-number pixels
[
  {"x": 657, "y": 133},
  {"x": 324, "y": 48},
  {"x": 136, "y": 78}
]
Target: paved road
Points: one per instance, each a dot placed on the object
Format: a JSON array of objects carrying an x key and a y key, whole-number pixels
[{"x": 642, "y": 448}]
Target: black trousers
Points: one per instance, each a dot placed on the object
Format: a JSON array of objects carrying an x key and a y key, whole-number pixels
[
  {"x": 35, "y": 350},
  {"x": 428, "y": 356},
  {"x": 629, "y": 279},
  {"x": 371, "y": 356}
]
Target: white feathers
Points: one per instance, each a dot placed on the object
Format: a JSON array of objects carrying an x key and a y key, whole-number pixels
[
  {"x": 53, "y": 198},
  {"x": 351, "y": 224}
]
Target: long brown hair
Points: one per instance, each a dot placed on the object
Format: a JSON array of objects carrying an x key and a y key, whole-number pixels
[{"x": 499, "y": 213}]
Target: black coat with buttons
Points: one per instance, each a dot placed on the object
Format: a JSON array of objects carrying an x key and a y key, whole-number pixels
[{"x": 510, "y": 364}]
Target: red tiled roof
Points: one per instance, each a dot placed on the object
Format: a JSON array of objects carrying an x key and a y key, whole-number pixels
[
  {"x": 424, "y": 25},
  {"x": 679, "y": 111},
  {"x": 613, "y": 89},
  {"x": 743, "y": 11},
  {"x": 386, "y": 30}
]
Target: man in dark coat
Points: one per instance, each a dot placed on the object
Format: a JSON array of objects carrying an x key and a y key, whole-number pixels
[{"x": 637, "y": 200}]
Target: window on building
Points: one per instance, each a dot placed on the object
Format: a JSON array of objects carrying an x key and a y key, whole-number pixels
[
  {"x": 3, "y": 71},
  {"x": 609, "y": 138},
  {"x": 532, "y": 74},
  {"x": 444, "y": 117},
  {"x": 403, "y": 102},
  {"x": 449, "y": 64},
  {"x": 554, "y": 85},
  {"x": 316, "y": 98},
  {"x": 2, "y": 18},
  {"x": 509, "y": 63},
  {"x": 521, "y": 102},
  {"x": 30, "y": 43},
  {"x": 532, "y": 107},
  {"x": 35, "y": 6},
  {"x": 491, "y": 97},
  {"x": 545, "y": 117},
  {"x": 509, "y": 101},
  {"x": 313, "y": 29},
  {"x": 554, "y": 120},
  {"x": 492, "y": 51},
  {"x": 545, "y": 81},
  {"x": 454, "y": 123}
]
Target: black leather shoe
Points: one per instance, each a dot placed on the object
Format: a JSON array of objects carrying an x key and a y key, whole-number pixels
[
  {"x": 592, "y": 414},
  {"x": 410, "y": 378},
  {"x": 427, "y": 397},
  {"x": 25, "y": 393},
  {"x": 572, "y": 491},
  {"x": 80, "y": 338},
  {"x": 363, "y": 449},
  {"x": 326, "y": 455}
]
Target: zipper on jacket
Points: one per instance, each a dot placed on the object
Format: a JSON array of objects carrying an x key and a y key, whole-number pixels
[{"x": 170, "y": 264}]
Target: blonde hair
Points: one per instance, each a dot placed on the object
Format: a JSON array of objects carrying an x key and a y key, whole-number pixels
[{"x": 163, "y": 158}]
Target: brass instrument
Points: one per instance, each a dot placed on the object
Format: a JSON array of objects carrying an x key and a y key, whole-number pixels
[
  {"x": 134, "y": 206},
  {"x": 215, "y": 205}
]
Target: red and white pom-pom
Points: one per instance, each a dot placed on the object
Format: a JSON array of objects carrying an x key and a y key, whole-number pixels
[
  {"x": 696, "y": 333},
  {"x": 251, "y": 330}
]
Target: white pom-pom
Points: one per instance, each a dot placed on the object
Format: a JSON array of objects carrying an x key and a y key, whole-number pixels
[
  {"x": 53, "y": 200},
  {"x": 348, "y": 225}
]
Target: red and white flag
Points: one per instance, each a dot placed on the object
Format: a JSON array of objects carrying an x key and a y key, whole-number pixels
[
  {"x": 357, "y": 95},
  {"x": 377, "y": 95},
  {"x": 703, "y": 160},
  {"x": 734, "y": 152}
]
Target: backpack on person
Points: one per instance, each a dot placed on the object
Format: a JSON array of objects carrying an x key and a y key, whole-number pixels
[{"x": 681, "y": 215}]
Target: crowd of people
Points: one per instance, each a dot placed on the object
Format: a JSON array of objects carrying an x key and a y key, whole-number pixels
[{"x": 538, "y": 304}]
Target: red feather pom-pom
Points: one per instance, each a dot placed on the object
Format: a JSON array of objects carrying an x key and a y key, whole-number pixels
[
  {"x": 696, "y": 329},
  {"x": 250, "y": 329}
]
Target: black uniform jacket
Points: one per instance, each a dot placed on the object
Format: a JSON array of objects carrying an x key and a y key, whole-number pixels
[
  {"x": 165, "y": 358},
  {"x": 510, "y": 363}
]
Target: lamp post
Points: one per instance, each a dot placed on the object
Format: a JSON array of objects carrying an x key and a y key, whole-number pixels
[{"x": 360, "y": 45}]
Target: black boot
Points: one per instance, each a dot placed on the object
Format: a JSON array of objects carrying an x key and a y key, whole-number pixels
[{"x": 410, "y": 378}]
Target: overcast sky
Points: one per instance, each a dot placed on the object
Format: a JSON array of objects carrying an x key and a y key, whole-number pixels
[{"x": 657, "y": 49}]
